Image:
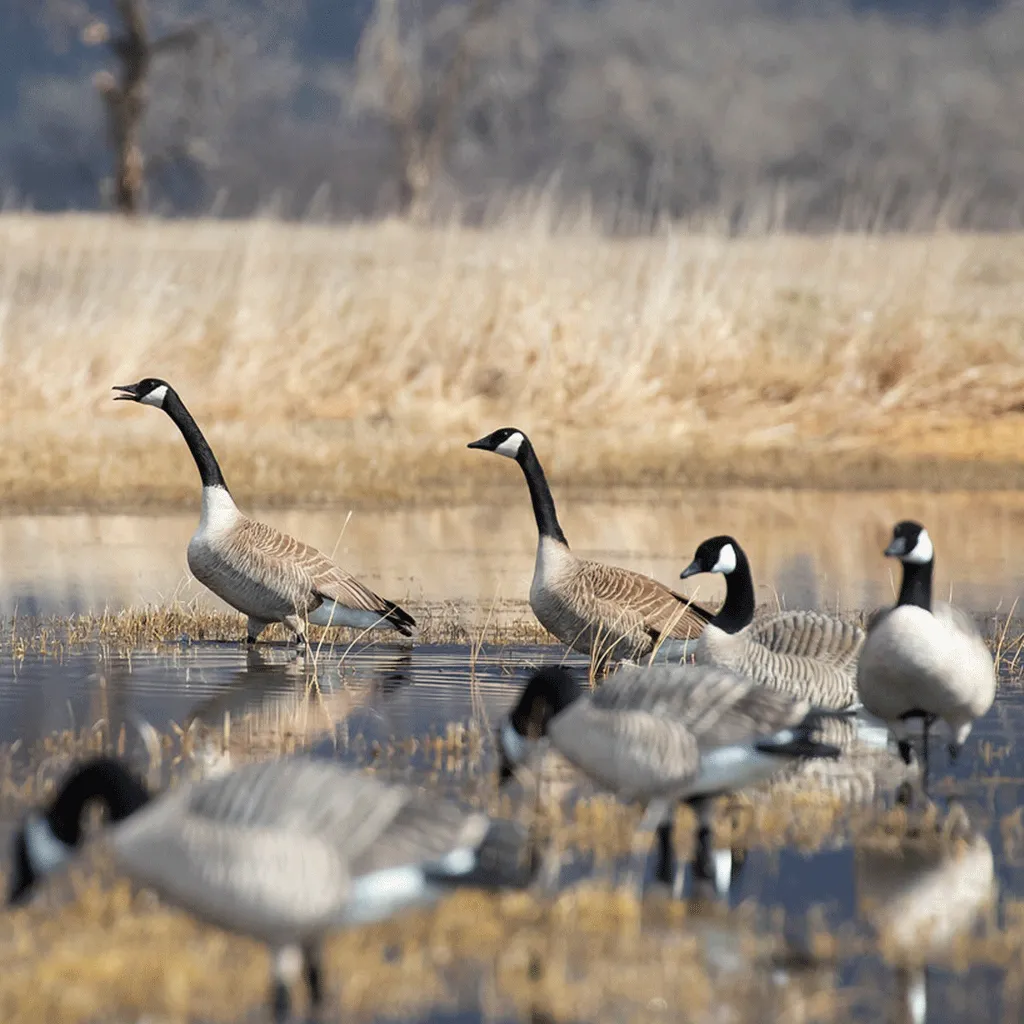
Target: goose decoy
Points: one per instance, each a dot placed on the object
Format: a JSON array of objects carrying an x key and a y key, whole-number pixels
[
  {"x": 924, "y": 659},
  {"x": 283, "y": 851},
  {"x": 806, "y": 653},
  {"x": 663, "y": 734}
]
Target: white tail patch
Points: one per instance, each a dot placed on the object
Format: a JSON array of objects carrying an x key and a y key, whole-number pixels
[
  {"x": 726, "y": 560},
  {"x": 732, "y": 768},
  {"x": 377, "y": 896},
  {"x": 511, "y": 445},
  {"x": 332, "y": 614}
]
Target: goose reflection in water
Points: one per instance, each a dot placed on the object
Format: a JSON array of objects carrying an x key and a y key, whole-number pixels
[{"x": 920, "y": 896}]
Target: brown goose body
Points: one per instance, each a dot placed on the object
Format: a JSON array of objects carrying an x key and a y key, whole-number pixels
[
  {"x": 272, "y": 577},
  {"x": 806, "y": 653},
  {"x": 265, "y": 574},
  {"x": 606, "y": 612}
]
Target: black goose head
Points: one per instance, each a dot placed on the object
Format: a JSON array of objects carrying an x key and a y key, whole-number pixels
[
  {"x": 911, "y": 544},
  {"x": 717, "y": 554},
  {"x": 548, "y": 692},
  {"x": 507, "y": 441},
  {"x": 148, "y": 391}
]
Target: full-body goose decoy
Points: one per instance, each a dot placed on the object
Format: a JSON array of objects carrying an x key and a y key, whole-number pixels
[
  {"x": 809, "y": 654},
  {"x": 924, "y": 659},
  {"x": 665, "y": 733},
  {"x": 283, "y": 851},
  {"x": 596, "y": 609},
  {"x": 265, "y": 574}
]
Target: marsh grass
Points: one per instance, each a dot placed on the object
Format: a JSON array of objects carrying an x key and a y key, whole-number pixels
[{"x": 356, "y": 362}]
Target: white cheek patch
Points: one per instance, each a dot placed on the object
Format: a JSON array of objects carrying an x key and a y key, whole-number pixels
[
  {"x": 45, "y": 851},
  {"x": 516, "y": 747},
  {"x": 726, "y": 560},
  {"x": 923, "y": 551},
  {"x": 155, "y": 397},
  {"x": 510, "y": 446}
]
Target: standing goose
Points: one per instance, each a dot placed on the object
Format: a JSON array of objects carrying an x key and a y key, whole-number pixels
[
  {"x": 596, "y": 609},
  {"x": 809, "y": 654},
  {"x": 265, "y": 574},
  {"x": 665, "y": 733},
  {"x": 283, "y": 851},
  {"x": 924, "y": 659}
]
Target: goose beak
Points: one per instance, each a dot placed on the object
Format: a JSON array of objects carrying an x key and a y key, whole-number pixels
[
  {"x": 482, "y": 444},
  {"x": 896, "y": 549},
  {"x": 130, "y": 393},
  {"x": 692, "y": 569}
]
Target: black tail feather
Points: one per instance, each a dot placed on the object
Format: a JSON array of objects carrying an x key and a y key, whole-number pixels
[
  {"x": 399, "y": 618},
  {"x": 504, "y": 859}
]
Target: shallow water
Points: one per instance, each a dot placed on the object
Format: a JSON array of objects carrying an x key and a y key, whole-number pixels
[
  {"x": 379, "y": 696},
  {"x": 809, "y": 548}
]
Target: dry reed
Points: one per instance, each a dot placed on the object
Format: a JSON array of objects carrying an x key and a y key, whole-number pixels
[{"x": 357, "y": 361}]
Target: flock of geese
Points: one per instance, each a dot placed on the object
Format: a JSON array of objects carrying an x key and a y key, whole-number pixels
[{"x": 288, "y": 850}]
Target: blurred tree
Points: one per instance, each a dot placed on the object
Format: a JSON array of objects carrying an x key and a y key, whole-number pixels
[
  {"x": 125, "y": 95},
  {"x": 419, "y": 99}
]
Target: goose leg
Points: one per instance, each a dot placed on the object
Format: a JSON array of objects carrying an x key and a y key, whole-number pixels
[
  {"x": 924, "y": 752},
  {"x": 710, "y": 865},
  {"x": 657, "y": 819},
  {"x": 286, "y": 967},
  {"x": 313, "y": 971},
  {"x": 253, "y": 628},
  {"x": 295, "y": 624}
]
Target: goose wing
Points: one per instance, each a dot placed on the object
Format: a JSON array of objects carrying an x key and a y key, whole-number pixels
[
  {"x": 274, "y": 847},
  {"x": 717, "y": 706},
  {"x": 625, "y": 599},
  {"x": 810, "y": 634},
  {"x": 308, "y": 571},
  {"x": 957, "y": 619},
  {"x": 631, "y": 751}
]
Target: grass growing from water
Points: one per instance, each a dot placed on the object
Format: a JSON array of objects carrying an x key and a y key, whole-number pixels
[{"x": 356, "y": 362}]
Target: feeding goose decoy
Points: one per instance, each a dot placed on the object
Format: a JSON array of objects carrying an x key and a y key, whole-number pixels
[
  {"x": 809, "y": 654},
  {"x": 924, "y": 659},
  {"x": 601, "y": 610},
  {"x": 283, "y": 851},
  {"x": 663, "y": 734},
  {"x": 263, "y": 573}
]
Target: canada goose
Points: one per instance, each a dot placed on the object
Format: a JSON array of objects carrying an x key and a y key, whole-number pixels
[
  {"x": 596, "y": 609},
  {"x": 809, "y": 654},
  {"x": 283, "y": 851},
  {"x": 923, "y": 659},
  {"x": 665, "y": 733},
  {"x": 265, "y": 574}
]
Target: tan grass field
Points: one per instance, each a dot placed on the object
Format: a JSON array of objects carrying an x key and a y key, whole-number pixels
[{"x": 355, "y": 362}]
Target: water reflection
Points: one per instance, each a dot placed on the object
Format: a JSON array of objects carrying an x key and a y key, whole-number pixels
[
  {"x": 921, "y": 895},
  {"x": 812, "y": 549}
]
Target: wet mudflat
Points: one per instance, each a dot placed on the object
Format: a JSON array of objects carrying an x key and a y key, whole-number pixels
[{"x": 842, "y": 909}]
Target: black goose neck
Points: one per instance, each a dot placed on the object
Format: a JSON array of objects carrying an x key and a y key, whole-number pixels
[
  {"x": 540, "y": 494},
  {"x": 916, "y": 588},
  {"x": 102, "y": 779},
  {"x": 549, "y": 692},
  {"x": 206, "y": 461},
  {"x": 738, "y": 611}
]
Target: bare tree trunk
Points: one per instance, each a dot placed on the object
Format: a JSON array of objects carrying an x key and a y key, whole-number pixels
[
  {"x": 430, "y": 152},
  {"x": 126, "y": 99}
]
